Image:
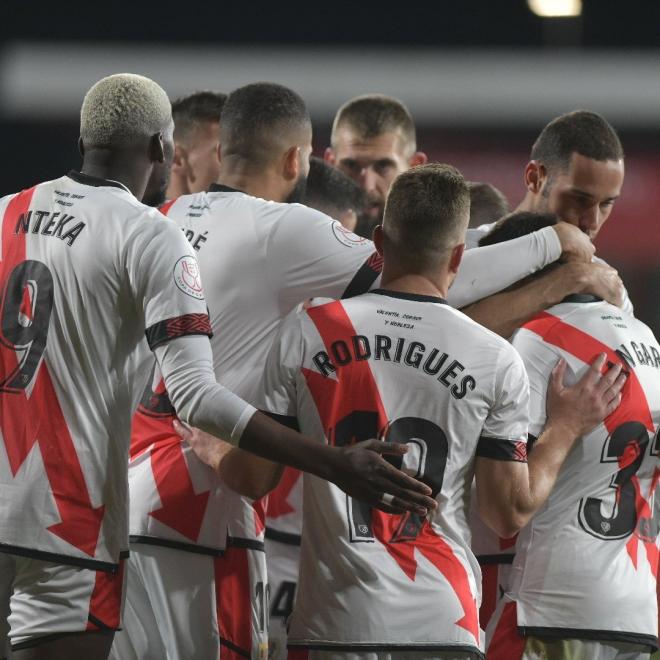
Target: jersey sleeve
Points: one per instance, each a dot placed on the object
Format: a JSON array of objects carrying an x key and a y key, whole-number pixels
[
  {"x": 277, "y": 395},
  {"x": 165, "y": 279},
  {"x": 488, "y": 270},
  {"x": 309, "y": 254},
  {"x": 504, "y": 434}
]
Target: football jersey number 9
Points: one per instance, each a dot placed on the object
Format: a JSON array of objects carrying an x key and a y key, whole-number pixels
[{"x": 27, "y": 304}]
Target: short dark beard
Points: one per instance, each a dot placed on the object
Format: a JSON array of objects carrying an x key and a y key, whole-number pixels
[
  {"x": 297, "y": 195},
  {"x": 366, "y": 224}
]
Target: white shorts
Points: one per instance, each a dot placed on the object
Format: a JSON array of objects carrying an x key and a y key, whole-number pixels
[
  {"x": 283, "y": 560},
  {"x": 504, "y": 642},
  {"x": 182, "y": 605},
  {"x": 40, "y": 600}
]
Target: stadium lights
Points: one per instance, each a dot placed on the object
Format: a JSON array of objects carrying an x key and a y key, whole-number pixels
[{"x": 556, "y": 8}]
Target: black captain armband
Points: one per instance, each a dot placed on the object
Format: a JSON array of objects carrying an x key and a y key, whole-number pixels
[
  {"x": 178, "y": 326},
  {"x": 502, "y": 450}
]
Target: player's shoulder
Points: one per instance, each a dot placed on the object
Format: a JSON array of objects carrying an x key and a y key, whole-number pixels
[{"x": 475, "y": 332}]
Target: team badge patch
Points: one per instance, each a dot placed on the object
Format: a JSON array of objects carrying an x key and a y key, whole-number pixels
[
  {"x": 187, "y": 277},
  {"x": 346, "y": 237}
]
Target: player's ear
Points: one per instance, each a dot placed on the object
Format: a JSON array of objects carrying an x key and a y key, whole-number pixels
[
  {"x": 378, "y": 239},
  {"x": 291, "y": 164},
  {"x": 535, "y": 174},
  {"x": 456, "y": 257},
  {"x": 81, "y": 147},
  {"x": 157, "y": 148},
  {"x": 180, "y": 160},
  {"x": 418, "y": 158},
  {"x": 329, "y": 156}
]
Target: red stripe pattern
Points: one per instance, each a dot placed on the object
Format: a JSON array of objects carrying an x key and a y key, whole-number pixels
[{"x": 356, "y": 389}]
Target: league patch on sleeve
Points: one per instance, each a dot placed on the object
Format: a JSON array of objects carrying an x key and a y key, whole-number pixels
[
  {"x": 346, "y": 237},
  {"x": 187, "y": 277}
]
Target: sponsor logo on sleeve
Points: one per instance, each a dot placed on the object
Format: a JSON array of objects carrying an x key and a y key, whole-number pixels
[
  {"x": 187, "y": 278},
  {"x": 346, "y": 237}
]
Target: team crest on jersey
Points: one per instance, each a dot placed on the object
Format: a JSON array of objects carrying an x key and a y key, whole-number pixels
[
  {"x": 346, "y": 237},
  {"x": 187, "y": 277}
]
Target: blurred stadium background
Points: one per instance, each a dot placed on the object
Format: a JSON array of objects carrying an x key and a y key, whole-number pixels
[{"x": 481, "y": 78}]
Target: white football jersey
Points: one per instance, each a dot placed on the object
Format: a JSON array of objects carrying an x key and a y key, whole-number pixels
[
  {"x": 85, "y": 270},
  {"x": 409, "y": 369},
  {"x": 586, "y": 564},
  {"x": 258, "y": 260}
]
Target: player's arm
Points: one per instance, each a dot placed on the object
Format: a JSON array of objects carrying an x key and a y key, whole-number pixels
[
  {"x": 506, "y": 311},
  {"x": 243, "y": 472},
  {"x": 510, "y": 492},
  {"x": 486, "y": 270}
]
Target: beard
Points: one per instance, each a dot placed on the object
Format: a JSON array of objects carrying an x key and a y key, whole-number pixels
[{"x": 297, "y": 195}]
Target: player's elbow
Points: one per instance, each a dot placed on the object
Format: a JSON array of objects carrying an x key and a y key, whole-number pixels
[{"x": 505, "y": 521}]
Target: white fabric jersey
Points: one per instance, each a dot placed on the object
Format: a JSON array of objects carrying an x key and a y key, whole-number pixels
[
  {"x": 409, "y": 369},
  {"x": 586, "y": 564},
  {"x": 85, "y": 270},
  {"x": 259, "y": 259}
]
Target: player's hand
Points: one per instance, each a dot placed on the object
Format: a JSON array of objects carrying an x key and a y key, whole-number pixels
[
  {"x": 575, "y": 244},
  {"x": 209, "y": 449},
  {"x": 603, "y": 281},
  {"x": 361, "y": 472},
  {"x": 586, "y": 404}
]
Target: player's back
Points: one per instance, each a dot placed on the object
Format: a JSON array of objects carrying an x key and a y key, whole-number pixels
[
  {"x": 587, "y": 561},
  {"x": 71, "y": 254},
  {"x": 257, "y": 260},
  {"x": 409, "y": 369}
]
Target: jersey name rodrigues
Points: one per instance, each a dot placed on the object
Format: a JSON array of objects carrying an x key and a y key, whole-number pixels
[{"x": 407, "y": 369}]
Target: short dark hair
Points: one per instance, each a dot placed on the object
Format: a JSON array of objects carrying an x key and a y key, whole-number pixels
[
  {"x": 190, "y": 111},
  {"x": 329, "y": 190},
  {"x": 257, "y": 118},
  {"x": 426, "y": 209},
  {"x": 487, "y": 203},
  {"x": 517, "y": 225},
  {"x": 581, "y": 131},
  {"x": 374, "y": 114}
]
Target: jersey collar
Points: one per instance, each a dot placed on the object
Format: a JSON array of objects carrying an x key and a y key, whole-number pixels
[
  {"x": 88, "y": 180},
  {"x": 582, "y": 298},
  {"x": 410, "y": 296},
  {"x": 220, "y": 187}
]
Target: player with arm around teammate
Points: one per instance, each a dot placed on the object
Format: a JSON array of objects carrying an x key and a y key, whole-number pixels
[
  {"x": 583, "y": 581},
  {"x": 87, "y": 270},
  {"x": 400, "y": 364}
]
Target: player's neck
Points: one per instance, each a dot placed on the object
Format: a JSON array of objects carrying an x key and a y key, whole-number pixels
[
  {"x": 424, "y": 285},
  {"x": 104, "y": 164},
  {"x": 527, "y": 204},
  {"x": 177, "y": 186},
  {"x": 258, "y": 184}
]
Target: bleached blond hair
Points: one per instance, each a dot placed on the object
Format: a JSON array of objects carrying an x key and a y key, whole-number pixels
[{"x": 122, "y": 107}]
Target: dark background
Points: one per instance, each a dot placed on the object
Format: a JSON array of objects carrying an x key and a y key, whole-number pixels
[{"x": 39, "y": 145}]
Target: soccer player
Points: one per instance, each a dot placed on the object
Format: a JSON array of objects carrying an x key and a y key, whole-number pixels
[
  {"x": 332, "y": 192},
  {"x": 576, "y": 172},
  {"x": 487, "y": 204},
  {"x": 275, "y": 255},
  {"x": 195, "y": 164},
  {"x": 373, "y": 140},
  {"x": 401, "y": 364},
  {"x": 87, "y": 271},
  {"x": 585, "y": 570}
]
